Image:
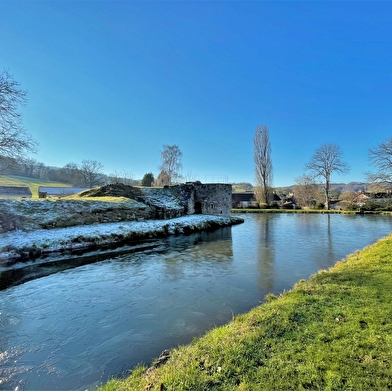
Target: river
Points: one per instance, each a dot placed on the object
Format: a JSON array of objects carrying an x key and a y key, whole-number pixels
[{"x": 82, "y": 324}]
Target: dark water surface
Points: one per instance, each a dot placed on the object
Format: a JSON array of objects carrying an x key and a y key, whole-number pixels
[{"x": 76, "y": 328}]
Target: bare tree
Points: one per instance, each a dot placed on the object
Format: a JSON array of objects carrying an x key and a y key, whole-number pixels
[
  {"x": 14, "y": 140},
  {"x": 349, "y": 196},
  {"x": 263, "y": 165},
  {"x": 123, "y": 177},
  {"x": 7, "y": 165},
  {"x": 327, "y": 159},
  {"x": 171, "y": 156},
  {"x": 92, "y": 172},
  {"x": 29, "y": 166},
  {"x": 72, "y": 174},
  {"x": 42, "y": 170},
  {"x": 381, "y": 157},
  {"x": 306, "y": 191},
  {"x": 162, "y": 179}
]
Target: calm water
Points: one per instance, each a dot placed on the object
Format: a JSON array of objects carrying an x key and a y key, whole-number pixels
[{"x": 78, "y": 327}]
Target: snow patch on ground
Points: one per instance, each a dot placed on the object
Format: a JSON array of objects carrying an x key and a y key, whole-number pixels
[
  {"x": 18, "y": 244},
  {"x": 30, "y": 215}
]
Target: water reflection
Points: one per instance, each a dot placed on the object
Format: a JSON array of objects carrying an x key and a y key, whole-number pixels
[
  {"x": 77, "y": 327},
  {"x": 17, "y": 272},
  {"x": 265, "y": 253},
  {"x": 199, "y": 252}
]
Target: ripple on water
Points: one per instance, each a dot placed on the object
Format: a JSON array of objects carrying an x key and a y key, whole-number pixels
[
  {"x": 76, "y": 328},
  {"x": 8, "y": 369}
]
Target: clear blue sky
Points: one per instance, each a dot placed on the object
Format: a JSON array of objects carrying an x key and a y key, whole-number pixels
[{"x": 114, "y": 81}]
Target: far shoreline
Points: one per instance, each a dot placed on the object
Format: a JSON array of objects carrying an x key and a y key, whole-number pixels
[{"x": 304, "y": 211}]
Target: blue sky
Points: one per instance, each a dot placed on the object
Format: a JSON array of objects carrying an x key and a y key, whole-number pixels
[{"x": 114, "y": 81}]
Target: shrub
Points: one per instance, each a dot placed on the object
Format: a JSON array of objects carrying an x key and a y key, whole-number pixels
[
  {"x": 387, "y": 205},
  {"x": 348, "y": 206},
  {"x": 371, "y": 205}
]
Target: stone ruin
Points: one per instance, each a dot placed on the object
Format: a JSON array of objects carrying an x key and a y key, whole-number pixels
[{"x": 174, "y": 201}]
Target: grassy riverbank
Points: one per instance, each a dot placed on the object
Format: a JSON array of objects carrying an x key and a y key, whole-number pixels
[
  {"x": 256, "y": 210},
  {"x": 332, "y": 332},
  {"x": 314, "y": 211}
]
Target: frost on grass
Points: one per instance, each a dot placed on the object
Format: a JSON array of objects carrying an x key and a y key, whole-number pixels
[
  {"x": 28, "y": 215},
  {"x": 21, "y": 244},
  {"x": 86, "y": 209},
  {"x": 29, "y": 228}
]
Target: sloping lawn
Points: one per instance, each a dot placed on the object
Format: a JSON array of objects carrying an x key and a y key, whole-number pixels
[
  {"x": 332, "y": 332},
  {"x": 32, "y": 183}
]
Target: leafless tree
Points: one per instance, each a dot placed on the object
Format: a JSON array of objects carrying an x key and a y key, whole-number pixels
[
  {"x": 263, "y": 165},
  {"x": 327, "y": 159},
  {"x": 171, "y": 156},
  {"x": 14, "y": 140},
  {"x": 381, "y": 157},
  {"x": 349, "y": 196},
  {"x": 72, "y": 174},
  {"x": 29, "y": 166},
  {"x": 306, "y": 191},
  {"x": 92, "y": 172},
  {"x": 162, "y": 179},
  {"x": 7, "y": 165},
  {"x": 123, "y": 177},
  {"x": 190, "y": 177},
  {"x": 40, "y": 170}
]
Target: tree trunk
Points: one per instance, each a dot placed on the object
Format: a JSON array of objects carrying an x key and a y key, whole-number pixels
[{"x": 327, "y": 198}]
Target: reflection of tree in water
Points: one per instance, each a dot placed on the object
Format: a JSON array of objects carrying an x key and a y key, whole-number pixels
[
  {"x": 199, "y": 250},
  {"x": 266, "y": 254},
  {"x": 312, "y": 235},
  {"x": 329, "y": 237},
  {"x": 322, "y": 248}
]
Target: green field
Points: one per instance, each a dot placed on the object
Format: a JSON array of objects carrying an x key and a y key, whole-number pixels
[{"x": 32, "y": 183}]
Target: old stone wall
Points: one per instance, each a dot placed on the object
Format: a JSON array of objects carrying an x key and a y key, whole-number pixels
[
  {"x": 213, "y": 198},
  {"x": 137, "y": 204},
  {"x": 184, "y": 195},
  {"x": 175, "y": 201},
  {"x": 198, "y": 198}
]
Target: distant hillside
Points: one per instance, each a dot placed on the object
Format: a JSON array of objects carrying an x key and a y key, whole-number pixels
[
  {"x": 351, "y": 186},
  {"x": 241, "y": 187},
  {"x": 341, "y": 187},
  {"x": 32, "y": 183}
]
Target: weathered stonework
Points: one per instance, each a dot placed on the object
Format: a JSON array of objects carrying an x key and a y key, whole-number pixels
[
  {"x": 213, "y": 199},
  {"x": 188, "y": 199},
  {"x": 137, "y": 214},
  {"x": 135, "y": 204}
]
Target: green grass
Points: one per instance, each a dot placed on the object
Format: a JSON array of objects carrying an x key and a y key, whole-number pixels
[
  {"x": 331, "y": 211},
  {"x": 113, "y": 199},
  {"x": 32, "y": 183},
  {"x": 332, "y": 332},
  {"x": 256, "y": 210},
  {"x": 237, "y": 189}
]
